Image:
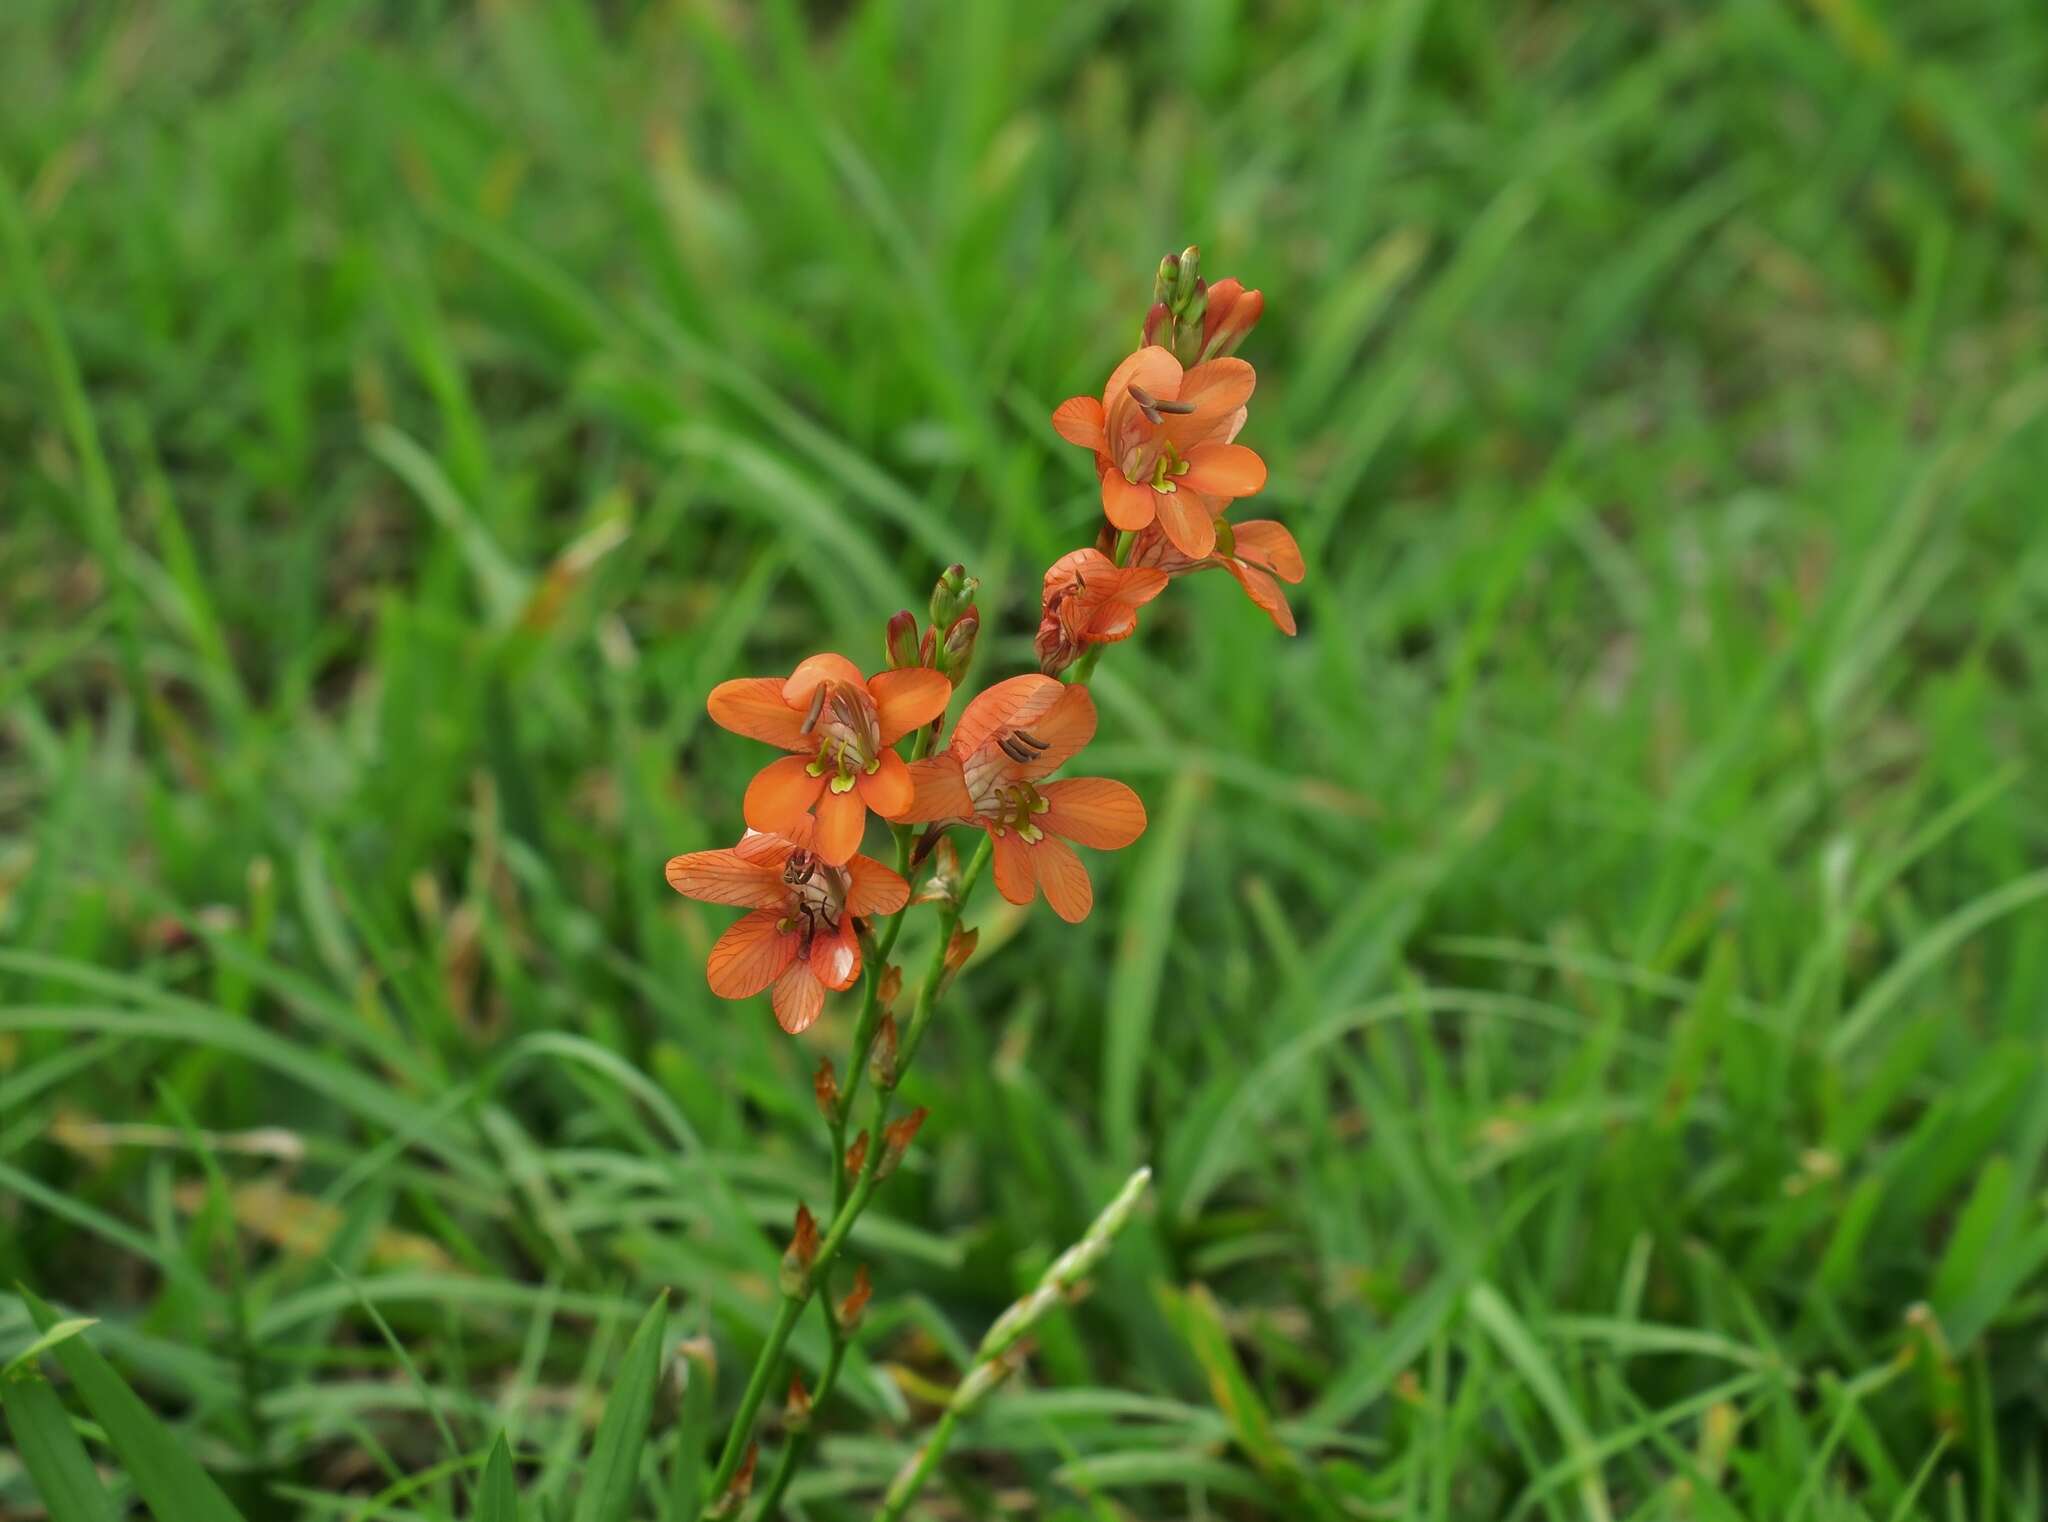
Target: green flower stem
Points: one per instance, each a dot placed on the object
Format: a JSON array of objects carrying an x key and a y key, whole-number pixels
[
  {"x": 770, "y": 1360},
  {"x": 993, "y": 1360},
  {"x": 799, "y": 1446}
]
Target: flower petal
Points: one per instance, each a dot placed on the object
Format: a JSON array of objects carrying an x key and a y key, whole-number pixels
[
  {"x": 941, "y": 791},
  {"x": 1066, "y": 727},
  {"x": 773, "y": 850},
  {"x": 726, "y": 877},
  {"x": 1078, "y": 420},
  {"x": 1016, "y": 878},
  {"x": 1064, "y": 879},
  {"x": 842, "y": 819},
  {"x": 1022, "y": 700},
  {"x": 1218, "y": 388},
  {"x": 750, "y": 955},
  {"x": 908, "y": 698},
  {"x": 1093, "y": 811},
  {"x": 1266, "y": 543},
  {"x": 1262, "y": 589},
  {"x": 872, "y": 888},
  {"x": 753, "y": 706},
  {"x": 779, "y": 794},
  {"x": 1127, "y": 504},
  {"x": 819, "y": 668},
  {"x": 835, "y": 955},
  {"x": 889, "y": 791},
  {"x": 799, "y": 998},
  {"x": 1152, "y": 367},
  {"x": 1223, "y": 470},
  {"x": 1188, "y": 523}
]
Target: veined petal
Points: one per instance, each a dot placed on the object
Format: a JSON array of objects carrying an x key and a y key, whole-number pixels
[
  {"x": 773, "y": 850},
  {"x": 835, "y": 955},
  {"x": 1063, "y": 878},
  {"x": 1261, "y": 588},
  {"x": 873, "y": 888},
  {"x": 779, "y": 795},
  {"x": 1093, "y": 811},
  {"x": 799, "y": 998},
  {"x": 726, "y": 877},
  {"x": 750, "y": 955},
  {"x": 819, "y": 668},
  {"x": 1065, "y": 728},
  {"x": 1016, "y": 878},
  {"x": 1076, "y": 566},
  {"x": 1188, "y": 523},
  {"x": 1078, "y": 420},
  {"x": 1127, "y": 504},
  {"x": 842, "y": 818},
  {"x": 1022, "y": 700},
  {"x": 753, "y": 706},
  {"x": 905, "y": 699},
  {"x": 889, "y": 791},
  {"x": 1265, "y": 543},
  {"x": 1223, "y": 470},
  {"x": 1152, "y": 367},
  {"x": 940, "y": 791}
]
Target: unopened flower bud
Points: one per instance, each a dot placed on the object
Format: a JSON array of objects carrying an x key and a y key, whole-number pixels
[
  {"x": 958, "y": 950},
  {"x": 857, "y": 1156},
  {"x": 1158, "y": 318},
  {"x": 900, "y": 640},
  {"x": 800, "y": 1255},
  {"x": 796, "y": 1410},
  {"x": 1187, "y": 325},
  {"x": 958, "y": 649},
  {"x": 928, "y": 647},
  {"x": 855, "y": 1305},
  {"x": 1232, "y": 313},
  {"x": 825, "y": 1085},
  {"x": 1188, "y": 280},
  {"x": 1166, "y": 280},
  {"x": 952, "y": 596},
  {"x": 882, "y": 1059},
  {"x": 896, "y": 1139}
]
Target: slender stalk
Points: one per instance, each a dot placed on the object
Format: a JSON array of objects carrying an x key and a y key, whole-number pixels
[
  {"x": 769, "y": 1362},
  {"x": 998, "y": 1355},
  {"x": 799, "y": 1446}
]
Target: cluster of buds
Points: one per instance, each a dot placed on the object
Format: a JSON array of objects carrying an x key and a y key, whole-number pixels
[
  {"x": 1194, "y": 319},
  {"x": 947, "y": 643}
]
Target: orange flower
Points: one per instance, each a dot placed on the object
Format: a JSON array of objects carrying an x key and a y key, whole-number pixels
[
  {"x": 799, "y": 939},
  {"x": 1232, "y": 312},
  {"x": 1162, "y": 441},
  {"x": 1091, "y": 600},
  {"x": 1254, "y": 552},
  {"x": 841, "y": 726},
  {"x": 1011, "y": 736}
]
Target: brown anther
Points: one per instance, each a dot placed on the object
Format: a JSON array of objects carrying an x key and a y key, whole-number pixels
[
  {"x": 1180, "y": 408},
  {"x": 817, "y": 708},
  {"x": 1015, "y": 749},
  {"x": 1032, "y": 740},
  {"x": 1147, "y": 404}
]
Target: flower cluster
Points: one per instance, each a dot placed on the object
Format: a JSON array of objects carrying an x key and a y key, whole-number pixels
[{"x": 1163, "y": 436}]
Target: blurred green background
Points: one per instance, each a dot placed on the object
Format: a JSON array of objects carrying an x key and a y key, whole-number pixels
[{"x": 1585, "y": 998}]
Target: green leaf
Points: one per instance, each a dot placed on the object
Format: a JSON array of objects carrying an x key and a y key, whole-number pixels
[
  {"x": 614, "y": 1471},
  {"x": 49, "y": 1447},
  {"x": 166, "y": 1475},
  {"x": 496, "y": 1501},
  {"x": 63, "y": 1331}
]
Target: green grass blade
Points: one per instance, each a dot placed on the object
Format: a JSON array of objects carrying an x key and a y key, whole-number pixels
[
  {"x": 613, "y": 1474},
  {"x": 51, "y": 1452},
  {"x": 166, "y": 1475},
  {"x": 496, "y": 1500}
]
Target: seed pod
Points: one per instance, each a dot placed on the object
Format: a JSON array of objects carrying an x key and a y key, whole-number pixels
[
  {"x": 896, "y": 1139},
  {"x": 825, "y": 1085},
  {"x": 801, "y": 1253},
  {"x": 855, "y": 1305},
  {"x": 882, "y": 1060}
]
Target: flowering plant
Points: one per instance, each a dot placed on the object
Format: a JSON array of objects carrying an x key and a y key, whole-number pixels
[{"x": 819, "y": 915}]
